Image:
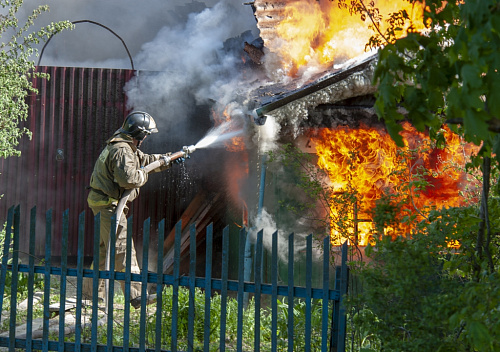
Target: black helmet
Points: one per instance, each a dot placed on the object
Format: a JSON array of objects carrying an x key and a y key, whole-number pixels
[{"x": 138, "y": 125}]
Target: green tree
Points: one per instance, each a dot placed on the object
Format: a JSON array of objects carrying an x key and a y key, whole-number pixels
[
  {"x": 446, "y": 74},
  {"x": 17, "y": 68},
  {"x": 418, "y": 289}
]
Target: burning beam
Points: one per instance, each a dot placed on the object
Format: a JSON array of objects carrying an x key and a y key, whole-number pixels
[{"x": 321, "y": 87}]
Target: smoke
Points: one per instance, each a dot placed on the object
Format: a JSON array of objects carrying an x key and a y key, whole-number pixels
[
  {"x": 267, "y": 135},
  {"x": 266, "y": 223},
  {"x": 191, "y": 65},
  {"x": 89, "y": 45}
]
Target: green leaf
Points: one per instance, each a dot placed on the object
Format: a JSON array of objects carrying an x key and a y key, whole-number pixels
[
  {"x": 394, "y": 129},
  {"x": 496, "y": 147},
  {"x": 471, "y": 76},
  {"x": 480, "y": 335},
  {"x": 494, "y": 95},
  {"x": 476, "y": 126}
]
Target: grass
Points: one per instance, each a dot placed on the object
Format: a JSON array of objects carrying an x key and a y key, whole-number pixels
[{"x": 248, "y": 321}]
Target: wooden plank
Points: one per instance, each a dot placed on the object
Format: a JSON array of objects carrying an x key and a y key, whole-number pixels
[
  {"x": 202, "y": 218},
  {"x": 79, "y": 281},
  {"x": 344, "y": 272},
  {"x": 326, "y": 286},
  {"x": 128, "y": 278},
  {"x": 144, "y": 284},
  {"x": 307, "y": 339},
  {"x": 95, "y": 282},
  {"x": 31, "y": 280},
  {"x": 46, "y": 288},
  {"x": 258, "y": 294},
  {"x": 175, "y": 285},
  {"x": 111, "y": 284},
  {"x": 69, "y": 303},
  {"x": 232, "y": 285},
  {"x": 241, "y": 283},
  {"x": 208, "y": 287},
  {"x": 187, "y": 218},
  {"x": 335, "y": 315},
  {"x": 64, "y": 267},
  {"x": 159, "y": 285}
]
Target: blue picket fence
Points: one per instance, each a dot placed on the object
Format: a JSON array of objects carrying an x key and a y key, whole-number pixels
[{"x": 323, "y": 327}]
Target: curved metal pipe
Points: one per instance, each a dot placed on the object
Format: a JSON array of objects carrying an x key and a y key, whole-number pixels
[{"x": 97, "y": 24}]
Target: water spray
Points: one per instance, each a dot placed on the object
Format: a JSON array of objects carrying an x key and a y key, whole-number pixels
[
  {"x": 213, "y": 138},
  {"x": 217, "y": 135}
]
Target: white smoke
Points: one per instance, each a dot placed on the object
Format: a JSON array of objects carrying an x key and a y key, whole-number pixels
[
  {"x": 266, "y": 223},
  {"x": 267, "y": 134},
  {"x": 135, "y": 22},
  {"x": 191, "y": 65}
]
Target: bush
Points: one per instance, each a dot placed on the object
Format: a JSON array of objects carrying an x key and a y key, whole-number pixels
[{"x": 422, "y": 293}]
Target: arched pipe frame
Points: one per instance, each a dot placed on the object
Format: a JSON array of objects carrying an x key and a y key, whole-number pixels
[{"x": 97, "y": 24}]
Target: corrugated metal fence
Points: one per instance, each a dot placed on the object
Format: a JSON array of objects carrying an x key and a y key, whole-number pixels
[
  {"x": 71, "y": 117},
  {"x": 191, "y": 313}
]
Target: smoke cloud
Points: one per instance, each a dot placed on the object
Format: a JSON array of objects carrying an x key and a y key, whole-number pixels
[
  {"x": 266, "y": 223},
  {"x": 191, "y": 65},
  {"x": 89, "y": 45},
  {"x": 186, "y": 53}
]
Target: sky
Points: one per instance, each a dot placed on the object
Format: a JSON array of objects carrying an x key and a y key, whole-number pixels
[{"x": 136, "y": 22}]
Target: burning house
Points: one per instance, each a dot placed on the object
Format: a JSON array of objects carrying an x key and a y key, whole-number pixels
[
  {"x": 312, "y": 88},
  {"x": 322, "y": 101}
]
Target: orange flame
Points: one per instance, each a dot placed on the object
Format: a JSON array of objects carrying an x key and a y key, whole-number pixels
[
  {"x": 314, "y": 33},
  {"x": 235, "y": 144},
  {"x": 367, "y": 161}
]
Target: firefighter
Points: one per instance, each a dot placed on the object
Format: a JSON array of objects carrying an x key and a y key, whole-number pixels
[{"x": 119, "y": 168}]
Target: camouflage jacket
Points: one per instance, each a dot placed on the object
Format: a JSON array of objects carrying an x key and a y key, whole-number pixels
[{"x": 119, "y": 168}]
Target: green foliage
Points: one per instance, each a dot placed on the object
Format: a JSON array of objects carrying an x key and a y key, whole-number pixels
[
  {"x": 420, "y": 294},
  {"x": 232, "y": 322},
  {"x": 449, "y": 73},
  {"x": 17, "y": 69},
  {"x": 423, "y": 293}
]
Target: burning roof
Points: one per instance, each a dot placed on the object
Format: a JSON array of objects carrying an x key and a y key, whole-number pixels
[
  {"x": 318, "y": 48},
  {"x": 289, "y": 104}
]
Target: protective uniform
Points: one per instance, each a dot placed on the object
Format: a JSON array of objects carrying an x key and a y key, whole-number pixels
[{"x": 117, "y": 169}]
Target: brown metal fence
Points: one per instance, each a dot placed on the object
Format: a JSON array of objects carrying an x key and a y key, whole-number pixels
[{"x": 70, "y": 118}]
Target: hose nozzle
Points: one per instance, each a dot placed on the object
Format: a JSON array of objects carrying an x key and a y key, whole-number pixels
[{"x": 188, "y": 149}]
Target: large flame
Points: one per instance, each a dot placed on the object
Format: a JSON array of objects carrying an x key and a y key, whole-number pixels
[
  {"x": 315, "y": 33},
  {"x": 366, "y": 161}
]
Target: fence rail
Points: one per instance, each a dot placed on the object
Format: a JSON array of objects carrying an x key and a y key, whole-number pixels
[{"x": 273, "y": 317}]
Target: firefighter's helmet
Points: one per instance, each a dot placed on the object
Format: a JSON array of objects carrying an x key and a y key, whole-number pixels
[{"x": 139, "y": 124}]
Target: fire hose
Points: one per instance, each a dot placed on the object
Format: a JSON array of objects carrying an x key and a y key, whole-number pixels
[{"x": 164, "y": 160}]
